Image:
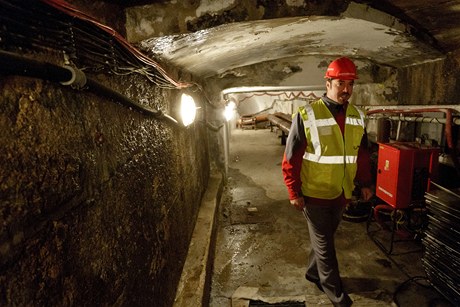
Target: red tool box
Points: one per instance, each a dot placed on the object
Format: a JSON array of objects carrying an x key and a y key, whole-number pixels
[{"x": 404, "y": 172}]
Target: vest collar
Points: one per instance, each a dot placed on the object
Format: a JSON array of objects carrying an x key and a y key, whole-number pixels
[{"x": 333, "y": 106}]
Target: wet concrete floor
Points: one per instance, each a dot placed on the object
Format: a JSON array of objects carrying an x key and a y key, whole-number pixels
[{"x": 262, "y": 242}]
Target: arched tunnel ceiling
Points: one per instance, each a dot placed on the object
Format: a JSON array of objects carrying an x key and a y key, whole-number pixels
[
  {"x": 392, "y": 33},
  {"x": 360, "y": 33}
]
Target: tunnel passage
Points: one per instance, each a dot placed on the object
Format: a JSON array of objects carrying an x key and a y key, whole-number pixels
[
  {"x": 87, "y": 213},
  {"x": 82, "y": 185}
]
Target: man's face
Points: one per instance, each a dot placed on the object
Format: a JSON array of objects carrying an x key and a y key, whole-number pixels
[{"x": 339, "y": 90}]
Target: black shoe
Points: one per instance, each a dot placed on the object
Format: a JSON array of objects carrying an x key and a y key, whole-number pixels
[{"x": 315, "y": 281}]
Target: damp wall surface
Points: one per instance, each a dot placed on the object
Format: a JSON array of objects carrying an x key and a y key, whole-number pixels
[
  {"x": 434, "y": 83},
  {"x": 97, "y": 201}
]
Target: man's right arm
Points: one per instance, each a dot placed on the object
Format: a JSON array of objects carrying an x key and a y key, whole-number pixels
[{"x": 293, "y": 157}]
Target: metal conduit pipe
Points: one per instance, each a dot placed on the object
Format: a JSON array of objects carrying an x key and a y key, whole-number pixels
[
  {"x": 415, "y": 119},
  {"x": 286, "y": 117},
  {"x": 446, "y": 111},
  {"x": 284, "y": 125},
  {"x": 11, "y": 63},
  {"x": 250, "y": 89},
  {"x": 261, "y": 118},
  {"x": 454, "y": 107}
]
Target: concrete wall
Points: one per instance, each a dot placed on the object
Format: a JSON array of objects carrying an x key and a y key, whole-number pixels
[
  {"x": 97, "y": 202},
  {"x": 432, "y": 83},
  {"x": 105, "y": 12}
]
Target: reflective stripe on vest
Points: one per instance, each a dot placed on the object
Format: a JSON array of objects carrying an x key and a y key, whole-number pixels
[
  {"x": 356, "y": 121},
  {"x": 313, "y": 129},
  {"x": 330, "y": 159}
]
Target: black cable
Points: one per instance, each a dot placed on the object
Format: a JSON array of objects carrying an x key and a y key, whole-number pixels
[
  {"x": 11, "y": 63},
  {"x": 111, "y": 94},
  {"x": 410, "y": 279},
  {"x": 49, "y": 28},
  {"x": 402, "y": 285},
  {"x": 415, "y": 280}
]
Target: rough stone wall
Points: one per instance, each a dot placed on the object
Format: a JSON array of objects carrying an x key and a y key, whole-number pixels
[
  {"x": 431, "y": 83},
  {"x": 97, "y": 202},
  {"x": 109, "y": 14},
  {"x": 377, "y": 85}
]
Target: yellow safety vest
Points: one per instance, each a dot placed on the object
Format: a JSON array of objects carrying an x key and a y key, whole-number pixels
[{"x": 330, "y": 160}]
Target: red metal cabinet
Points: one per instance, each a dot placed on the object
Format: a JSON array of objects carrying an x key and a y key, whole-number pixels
[{"x": 404, "y": 172}]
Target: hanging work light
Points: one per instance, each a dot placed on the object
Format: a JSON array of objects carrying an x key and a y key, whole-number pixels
[{"x": 187, "y": 109}]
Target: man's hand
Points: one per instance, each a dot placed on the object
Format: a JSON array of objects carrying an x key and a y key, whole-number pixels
[
  {"x": 298, "y": 203},
  {"x": 366, "y": 193}
]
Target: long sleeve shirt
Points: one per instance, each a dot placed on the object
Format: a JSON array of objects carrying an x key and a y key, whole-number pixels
[{"x": 295, "y": 148}]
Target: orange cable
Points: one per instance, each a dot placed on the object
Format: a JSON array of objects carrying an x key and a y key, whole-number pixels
[{"x": 65, "y": 7}]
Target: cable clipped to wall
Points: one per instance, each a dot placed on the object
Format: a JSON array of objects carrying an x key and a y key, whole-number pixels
[
  {"x": 11, "y": 63},
  {"x": 55, "y": 25}
]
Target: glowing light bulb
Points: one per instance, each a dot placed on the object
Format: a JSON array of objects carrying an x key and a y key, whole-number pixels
[{"x": 187, "y": 109}]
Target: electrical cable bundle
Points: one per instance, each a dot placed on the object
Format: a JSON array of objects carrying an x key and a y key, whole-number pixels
[{"x": 54, "y": 25}]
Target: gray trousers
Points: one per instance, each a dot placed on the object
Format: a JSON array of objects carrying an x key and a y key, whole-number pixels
[{"x": 323, "y": 267}]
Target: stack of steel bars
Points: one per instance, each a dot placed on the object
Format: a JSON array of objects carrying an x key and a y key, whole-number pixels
[{"x": 441, "y": 258}]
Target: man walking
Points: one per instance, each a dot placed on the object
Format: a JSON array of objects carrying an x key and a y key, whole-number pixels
[{"x": 326, "y": 151}]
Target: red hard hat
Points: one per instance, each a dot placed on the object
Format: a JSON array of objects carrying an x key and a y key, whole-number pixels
[{"x": 341, "y": 68}]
